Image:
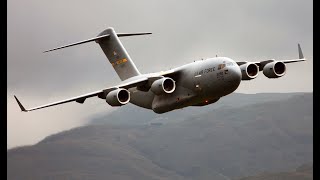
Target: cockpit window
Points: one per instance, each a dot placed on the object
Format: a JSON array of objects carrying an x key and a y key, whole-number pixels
[{"x": 221, "y": 66}]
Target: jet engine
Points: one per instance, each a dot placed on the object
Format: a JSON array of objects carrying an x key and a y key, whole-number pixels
[
  {"x": 274, "y": 69},
  {"x": 118, "y": 97},
  {"x": 249, "y": 71},
  {"x": 163, "y": 86}
]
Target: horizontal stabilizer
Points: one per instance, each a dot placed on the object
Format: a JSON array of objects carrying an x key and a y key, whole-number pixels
[
  {"x": 97, "y": 38},
  {"x": 77, "y": 43},
  {"x": 132, "y": 34}
]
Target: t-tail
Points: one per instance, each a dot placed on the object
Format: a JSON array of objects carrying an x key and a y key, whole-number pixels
[{"x": 112, "y": 47}]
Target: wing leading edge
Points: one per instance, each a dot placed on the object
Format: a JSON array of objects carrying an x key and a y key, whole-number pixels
[
  {"x": 261, "y": 64},
  {"x": 80, "y": 99}
]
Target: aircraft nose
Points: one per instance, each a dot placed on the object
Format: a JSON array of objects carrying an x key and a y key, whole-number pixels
[{"x": 235, "y": 74}]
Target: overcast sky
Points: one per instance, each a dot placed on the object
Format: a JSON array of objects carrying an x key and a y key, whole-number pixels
[{"x": 183, "y": 31}]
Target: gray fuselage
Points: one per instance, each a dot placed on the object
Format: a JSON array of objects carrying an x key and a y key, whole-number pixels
[{"x": 199, "y": 83}]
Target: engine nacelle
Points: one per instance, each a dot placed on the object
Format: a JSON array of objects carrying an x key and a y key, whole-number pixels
[
  {"x": 249, "y": 71},
  {"x": 274, "y": 69},
  {"x": 163, "y": 86},
  {"x": 118, "y": 97}
]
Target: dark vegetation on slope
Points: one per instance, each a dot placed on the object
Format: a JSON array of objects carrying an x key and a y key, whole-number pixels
[{"x": 304, "y": 172}]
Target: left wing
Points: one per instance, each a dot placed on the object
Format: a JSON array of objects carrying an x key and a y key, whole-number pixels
[
  {"x": 80, "y": 99},
  {"x": 261, "y": 64}
]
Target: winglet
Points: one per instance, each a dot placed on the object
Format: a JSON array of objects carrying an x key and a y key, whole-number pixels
[
  {"x": 300, "y": 52},
  {"x": 20, "y": 105}
]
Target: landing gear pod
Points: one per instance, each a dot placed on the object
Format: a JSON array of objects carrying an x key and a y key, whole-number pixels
[{"x": 118, "y": 97}]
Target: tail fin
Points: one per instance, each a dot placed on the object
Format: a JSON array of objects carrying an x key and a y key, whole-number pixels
[
  {"x": 114, "y": 50},
  {"x": 117, "y": 55}
]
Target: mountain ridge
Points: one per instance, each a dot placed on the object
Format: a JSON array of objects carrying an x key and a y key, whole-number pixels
[{"x": 216, "y": 143}]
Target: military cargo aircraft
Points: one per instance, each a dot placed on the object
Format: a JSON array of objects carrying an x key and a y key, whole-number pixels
[{"x": 195, "y": 84}]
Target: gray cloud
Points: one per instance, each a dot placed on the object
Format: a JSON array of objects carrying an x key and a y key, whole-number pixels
[
  {"x": 30, "y": 128},
  {"x": 183, "y": 31}
]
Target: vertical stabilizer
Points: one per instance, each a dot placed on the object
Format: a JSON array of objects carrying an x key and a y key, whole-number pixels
[
  {"x": 117, "y": 55},
  {"x": 114, "y": 50}
]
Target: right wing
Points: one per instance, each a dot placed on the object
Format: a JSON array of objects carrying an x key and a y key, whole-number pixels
[
  {"x": 80, "y": 99},
  {"x": 261, "y": 64}
]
